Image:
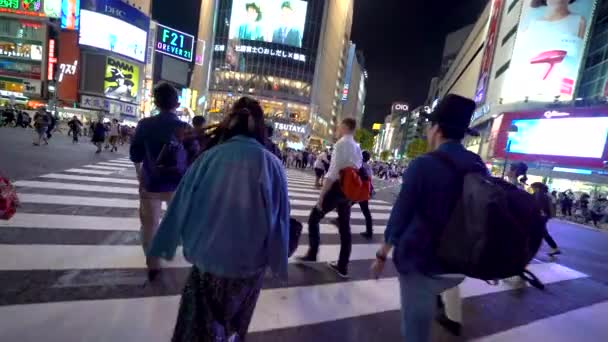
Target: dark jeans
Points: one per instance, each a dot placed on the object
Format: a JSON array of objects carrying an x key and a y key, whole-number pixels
[
  {"x": 369, "y": 227},
  {"x": 548, "y": 238},
  {"x": 333, "y": 200}
]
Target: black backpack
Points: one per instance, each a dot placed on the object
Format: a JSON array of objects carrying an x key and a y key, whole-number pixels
[{"x": 494, "y": 231}]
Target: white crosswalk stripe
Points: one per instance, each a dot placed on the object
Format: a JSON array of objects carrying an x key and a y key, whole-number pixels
[{"x": 76, "y": 238}]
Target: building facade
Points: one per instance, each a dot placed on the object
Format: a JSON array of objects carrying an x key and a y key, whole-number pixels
[
  {"x": 354, "y": 90},
  {"x": 273, "y": 53},
  {"x": 538, "y": 83}
]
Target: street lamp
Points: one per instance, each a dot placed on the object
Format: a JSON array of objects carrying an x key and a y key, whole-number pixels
[{"x": 512, "y": 130}]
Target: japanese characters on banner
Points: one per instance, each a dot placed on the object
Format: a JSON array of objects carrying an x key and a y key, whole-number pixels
[{"x": 107, "y": 105}]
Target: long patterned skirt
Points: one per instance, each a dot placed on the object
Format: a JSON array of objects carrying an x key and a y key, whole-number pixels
[{"x": 216, "y": 309}]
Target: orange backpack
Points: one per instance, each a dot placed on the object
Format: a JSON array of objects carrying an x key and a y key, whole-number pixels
[
  {"x": 356, "y": 184},
  {"x": 8, "y": 199}
]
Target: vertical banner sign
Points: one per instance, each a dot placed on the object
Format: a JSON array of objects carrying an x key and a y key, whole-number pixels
[
  {"x": 349, "y": 71},
  {"x": 174, "y": 43},
  {"x": 52, "y": 60},
  {"x": 488, "y": 51}
]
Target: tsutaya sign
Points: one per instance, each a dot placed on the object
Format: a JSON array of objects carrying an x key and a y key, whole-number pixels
[{"x": 299, "y": 129}]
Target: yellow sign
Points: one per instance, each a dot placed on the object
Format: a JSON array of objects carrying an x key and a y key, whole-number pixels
[
  {"x": 121, "y": 80},
  {"x": 376, "y": 126},
  {"x": 416, "y": 148}
]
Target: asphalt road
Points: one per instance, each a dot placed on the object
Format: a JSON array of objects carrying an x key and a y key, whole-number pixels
[
  {"x": 19, "y": 159},
  {"x": 585, "y": 249}
]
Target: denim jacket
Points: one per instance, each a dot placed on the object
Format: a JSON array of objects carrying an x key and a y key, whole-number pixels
[{"x": 231, "y": 212}]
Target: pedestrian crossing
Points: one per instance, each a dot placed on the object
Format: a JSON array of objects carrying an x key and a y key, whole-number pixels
[{"x": 72, "y": 269}]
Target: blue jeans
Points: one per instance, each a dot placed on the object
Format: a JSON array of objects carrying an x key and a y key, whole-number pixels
[{"x": 419, "y": 303}]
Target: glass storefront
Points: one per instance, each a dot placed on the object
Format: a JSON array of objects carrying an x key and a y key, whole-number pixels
[
  {"x": 21, "y": 48},
  {"x": 220, "y": 103}
]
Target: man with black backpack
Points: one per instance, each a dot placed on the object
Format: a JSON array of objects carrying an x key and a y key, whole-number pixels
[
  {"x": 160, "y": 162},
  {"x": 452, "y": 219}
]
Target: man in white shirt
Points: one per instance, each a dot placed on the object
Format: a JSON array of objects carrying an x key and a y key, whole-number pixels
[{"x": 346, "y": 153}]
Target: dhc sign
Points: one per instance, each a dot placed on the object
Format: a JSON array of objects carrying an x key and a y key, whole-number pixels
[{"x": 174, "y": 43}]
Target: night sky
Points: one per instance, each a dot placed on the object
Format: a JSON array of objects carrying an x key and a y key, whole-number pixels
[{"x": 402, "y": 41}]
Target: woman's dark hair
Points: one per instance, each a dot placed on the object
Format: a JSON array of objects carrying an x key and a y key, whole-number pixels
[
  {"x": 246, "y": 118},
  {"x": 256, "y": 8},
  {"x": 540, "y": 3}
]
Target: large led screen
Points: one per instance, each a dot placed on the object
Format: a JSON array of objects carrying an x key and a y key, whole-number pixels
[
  {"x": 568, "y": 137},
  {"x": 271, "y": 21},
  {"x": 108, "y": 33},
  {"x": 548, "y": 51}
]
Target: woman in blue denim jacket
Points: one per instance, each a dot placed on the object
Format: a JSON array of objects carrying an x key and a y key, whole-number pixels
[{"x": 231, "y": 213}]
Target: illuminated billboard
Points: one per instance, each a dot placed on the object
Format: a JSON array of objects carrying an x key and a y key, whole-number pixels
[
  {"x": 112, "y": 34},
  {"x": 271, "y": 21},
  {"x": 70, "y": 14},
  {"x": 582, "y": 137},
  {"x": 548, "y": 51},
  {"x": 174, "y": 43},
  {"x": 121, "y": 80},
  {"x": 20, "y": 51},
  {"x": 52, "y": 8}
]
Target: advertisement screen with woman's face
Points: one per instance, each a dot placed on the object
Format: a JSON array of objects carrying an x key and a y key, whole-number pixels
[{"x": 548, "y": 51}]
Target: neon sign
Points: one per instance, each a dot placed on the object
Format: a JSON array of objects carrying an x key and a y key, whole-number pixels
[
  {"x": 174, "y": 43},
  {"x": 23, "y": 7},
  {"x": 52, "y": 60},
  {"x": 555, "y": 114}
]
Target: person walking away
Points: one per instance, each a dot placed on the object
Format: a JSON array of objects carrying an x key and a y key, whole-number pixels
[
  {"x": 347, "y": 154},
  {"x": 429, "y": 192},
  {"x": 114, "y": 135},
  {"x": 305, "y": 156},
  {"x": 364, "y": 205},
  {"x": 233, "y": 224},
  {"x": 158, "y": 178},
  {"x": 41, "y": 125},
  {"x": 75, "y": 126},
  {"x": 270, "y": 145},
  {"x": 52, "y": 125},
  {"x": 320, "y": 169},
  {"x": 99, "y": 134},
  {"x": 518, "y": 175},
  {"x": 544, "y": 202}
]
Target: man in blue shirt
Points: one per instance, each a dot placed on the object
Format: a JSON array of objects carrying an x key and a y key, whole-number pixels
[
  {"x": 151, "y": 135},
  {"x": 424, "y": 205}
]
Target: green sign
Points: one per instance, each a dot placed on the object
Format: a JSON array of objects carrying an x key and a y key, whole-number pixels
[{"x": 11, "y": 4}]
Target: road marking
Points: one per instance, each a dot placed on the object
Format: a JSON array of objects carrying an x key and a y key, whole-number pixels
[
  {"x": 153, "y": 318},
  {"x": 91, "y": 179},
  {"x": 69, "y": 257},
  {"x": 90, "y": 172}
]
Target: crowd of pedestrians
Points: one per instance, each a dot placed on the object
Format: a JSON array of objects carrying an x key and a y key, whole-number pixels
[{"x": 228, "y": 207}]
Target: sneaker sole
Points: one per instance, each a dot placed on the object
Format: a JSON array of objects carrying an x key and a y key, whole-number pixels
[{"x": 341, "y": 275}]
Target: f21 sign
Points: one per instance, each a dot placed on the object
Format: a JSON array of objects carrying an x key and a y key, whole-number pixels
[{"x": 174, "y": 43}]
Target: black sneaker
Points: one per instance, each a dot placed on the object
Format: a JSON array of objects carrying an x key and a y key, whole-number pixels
[
  {"x": 341, "y": 273},
  {"x": 306, "y": 259},
  {"x": 367, "y": 236},
  {"x": 153, "y": 274},
  {"x": 452, "y": 327}
]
